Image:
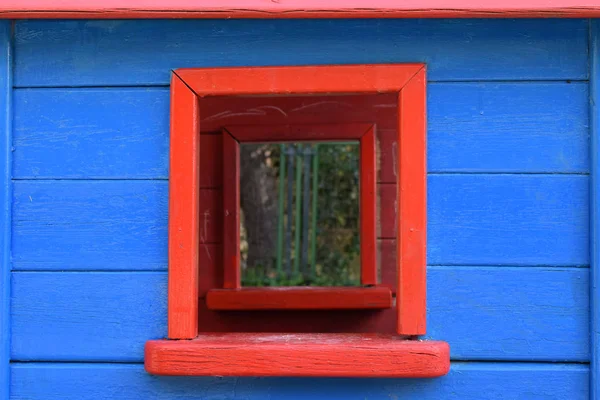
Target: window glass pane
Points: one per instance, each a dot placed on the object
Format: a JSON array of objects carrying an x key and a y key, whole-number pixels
[{"x": 300, "y": 214}]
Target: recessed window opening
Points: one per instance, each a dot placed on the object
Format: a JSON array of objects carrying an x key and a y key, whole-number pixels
[{"x": 299, "y": 213}]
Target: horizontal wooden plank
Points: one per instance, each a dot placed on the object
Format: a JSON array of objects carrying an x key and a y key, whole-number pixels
[
  {"x": 301, "y": 355},
  {"x": 508, "y": 219},
  {"x": 484, "y": 313},
  {"x": 299, "y": 298},
  {"x": 473, "y": 219},
  {"x": 132, "y": 9},
  {"x": 497, "y": 381},
  {"x": 122, "y": 133},
  {"x": 94, "y": 133},
  {"x": 102, "y": 225},
  {"x": 71, "y": 53},
  {"x": 507, "y": 127}
]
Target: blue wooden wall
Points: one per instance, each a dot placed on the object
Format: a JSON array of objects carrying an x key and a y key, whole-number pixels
[{"x": 508, "y": 155}]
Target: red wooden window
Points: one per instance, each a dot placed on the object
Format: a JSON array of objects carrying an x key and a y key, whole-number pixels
[
  {"x": 305, "y": 298},
  {"x": 214, "y": 109}
]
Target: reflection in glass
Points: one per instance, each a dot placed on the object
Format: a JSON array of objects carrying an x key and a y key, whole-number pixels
[{"x": 299, "y": 214}]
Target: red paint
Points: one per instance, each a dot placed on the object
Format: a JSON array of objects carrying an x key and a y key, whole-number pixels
[
  {"x": 308, "y": 355},
  {"x": 131, "y": 9},
  {"x": 374, "y": 78},
  {"x": 221, "y": 111},
  {"x": 365, "y": 133},
  {"x": 350, "y": 95},
  {"x": 300, "y": 298},
  {"x": 412, "y": 213},
  {"x": 368, "y": 208},
  {"x": 183, "y": 212},
  {"x": 231, "y": 212},
  {"x": 211, "y": 166},
  {"x": 297, "y": 133},
  {"x": 298, "y": 321},
  {"x": 388, "y": 210}
]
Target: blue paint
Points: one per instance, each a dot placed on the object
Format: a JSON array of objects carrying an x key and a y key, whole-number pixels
[
  {"x": 5, "y": 202},
  {"x": 595, "y": 211},
  {"x": 508, "y": 201},
  {"x": 122, "y": 225},
  {"x": 473, "y": 127},
  {"x": 101, "y": 53},
  {"x": 485, "y": 313},
  {"x": 491, "y": 381}
]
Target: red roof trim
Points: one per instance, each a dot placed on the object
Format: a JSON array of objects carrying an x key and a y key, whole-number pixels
[{"x": 104, "y": 9}]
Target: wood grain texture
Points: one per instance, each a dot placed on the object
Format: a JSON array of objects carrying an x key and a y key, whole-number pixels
[
  {"x": 411, "y": 234},
  {"x": 5, "y": 203},
  {"x": 122, "y": 225},
  {"x": 232, "y": 274},
  {"x": 317, "y": 79},
  {"x": 320, "y": 355},
  {"x": 594, "y": 212},
  {"x": 101, "y": 53},
  {"x": 498, "y": 381},
  {"x": 184, "y": 211},
  {"x": 550, "y": 304},
  {"x": 299, "y": 298},
  {"x": 297, "y": 9},
  {"x": 528, "y": 134},
  {"x": 368, "y": 208},
  {"x": 305, "y": 131}
]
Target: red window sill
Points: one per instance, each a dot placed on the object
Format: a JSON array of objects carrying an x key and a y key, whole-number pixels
[
  {"x": 323, "y": 355},
  {"x": 300, "y": 298}
]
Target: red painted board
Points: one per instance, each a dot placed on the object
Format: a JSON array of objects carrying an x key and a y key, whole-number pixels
[
  {"x": 305, "y": 355},
  {"x": 211, "y": 163},
  {"x": 302, "y": 111},
  {"x": 132, "y": 9},
  {"x": 300, "y": 298},
  {"x": 368, "y": 208},
  {"x": 298, "y": 321},
  {"x": 298, "y": 132},
  {"x": 227, "y": 111},
  {"x": 323, "y": 79},
  {"x": 412, "y": 209},
  {"x": 365, "y": 133},
  {"x": 232, "y": 278},
  {"x": 184, "y": 188}
]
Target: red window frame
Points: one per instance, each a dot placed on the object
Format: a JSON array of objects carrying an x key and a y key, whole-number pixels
[
  {"x": 411, "y": 358},
  {"x": 299, "y": 297}
]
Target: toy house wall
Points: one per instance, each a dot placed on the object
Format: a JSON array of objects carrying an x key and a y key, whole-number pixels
[{"x": 508, "y": 206}]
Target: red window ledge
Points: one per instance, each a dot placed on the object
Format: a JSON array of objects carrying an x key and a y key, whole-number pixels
[
  {"x": 300, "y": 298},
  {"x": 308, "y": 355}
]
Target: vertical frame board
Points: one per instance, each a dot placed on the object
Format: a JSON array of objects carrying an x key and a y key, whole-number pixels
[
  {"x": 232, "y": 275},
  {"x": 5, "y": 203},
  {"x": 184, "y": 204},
  {"x": 368, "y": 208},
  {"x": 412, "y": 214},
  {"x": 594, "y": 54}
]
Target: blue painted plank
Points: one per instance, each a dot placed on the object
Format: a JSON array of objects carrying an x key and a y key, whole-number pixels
[
  {"x": 485, "y": 313},
  {"x": 81, "y": 225},
  {"x": 507, "y": 127},
  {"x": 492, "y": 381},
  {"x": 595, "y": 210},
  {"x": 473, "y": 220},
  {"x": 91, "y": 133},
  {"x": 508, "y": 220},
  {"x": 124, "y": 133},
  {"x": 5, "y": 201},
  {"x": 70, "y": 53}
]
